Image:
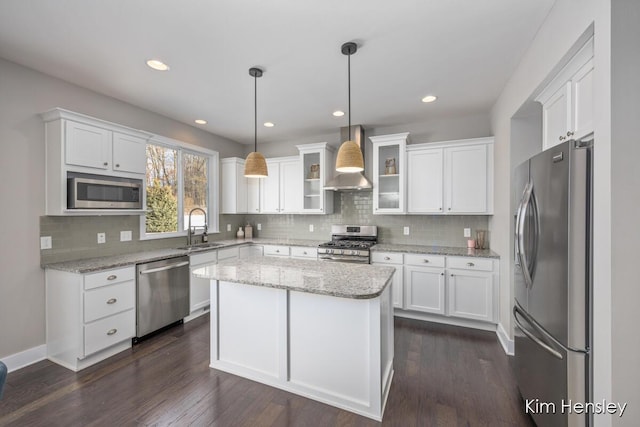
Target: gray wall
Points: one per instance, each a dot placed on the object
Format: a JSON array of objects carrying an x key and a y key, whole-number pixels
[{"x": 24, "y": 94}]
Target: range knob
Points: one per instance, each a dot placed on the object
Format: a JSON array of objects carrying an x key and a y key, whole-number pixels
[
  {"x": 354, "y": 252},
  {"x": 339, "y": 251},
  {"x": 329, "y": 251}
]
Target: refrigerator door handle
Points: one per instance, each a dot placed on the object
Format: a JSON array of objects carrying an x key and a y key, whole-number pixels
[
  {"x": 541, "y": 330},
  {"x": 533, "y": 338},
  {"x": 527, "y": 271}
]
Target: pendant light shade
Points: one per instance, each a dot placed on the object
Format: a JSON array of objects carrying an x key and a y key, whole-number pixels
[
  {"x": 255, "y": 166},
  {"x": 349, "y": 158}
]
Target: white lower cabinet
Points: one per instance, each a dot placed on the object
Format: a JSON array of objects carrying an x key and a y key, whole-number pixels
[
  {"x": 89, "y": 317},
  {"x": 303, "y": 252},
  {"x": 276, "y": 250},
  {"x": 424, "y": 289},
  {"x": 199, "y": 288},
  {"x": 390, "y": 259},
  {"x": 470, "y": 294},
  {"x": 250, "y": 251}
]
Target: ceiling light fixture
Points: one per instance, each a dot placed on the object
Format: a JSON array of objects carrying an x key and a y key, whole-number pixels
[
  {"x": 255, "y": 166},
  {"x": 338, "y": 113},
  {"x": 268, "y": 124},
  {"x": 429, "y": 98},
  {"x": 349, "y": 158},
  {"x": 201, "y": 121},
  {"x": 157, "y": 65}
]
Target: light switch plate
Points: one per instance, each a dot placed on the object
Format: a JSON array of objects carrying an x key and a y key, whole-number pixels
[
  {"x": 406, "y": 231},
  {"x": 102, "y": 237},
  {"x": 467, "y": 232},
  {"x": 311, "y": 228},
  {"x": 125, "y": 236},
  {"x": 45, "y": 242},
  {"x": 259, "y": 227},
  {"x": 228, "y": 227}
]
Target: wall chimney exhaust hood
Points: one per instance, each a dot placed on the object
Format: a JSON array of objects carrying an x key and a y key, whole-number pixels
[{"x": 355, "y": 181}]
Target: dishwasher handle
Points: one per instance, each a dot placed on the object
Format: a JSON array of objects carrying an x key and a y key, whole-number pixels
[{"x": 166, "y": 267}]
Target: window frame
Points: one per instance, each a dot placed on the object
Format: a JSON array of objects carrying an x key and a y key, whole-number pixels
[{"x": 213, "y": 182}]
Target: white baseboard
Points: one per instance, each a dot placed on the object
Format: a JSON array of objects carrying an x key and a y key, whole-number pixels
[
  {"x": 503, "y": 337},
  {"x": 25, "y": 358}
]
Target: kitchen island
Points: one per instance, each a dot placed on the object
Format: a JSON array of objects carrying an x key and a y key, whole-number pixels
[{"x": 318, "y": 329}]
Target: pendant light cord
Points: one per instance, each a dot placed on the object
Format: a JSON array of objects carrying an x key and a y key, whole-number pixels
[
  {"x": 255, "y": 113},
  {"x": 349, "y": 90}
]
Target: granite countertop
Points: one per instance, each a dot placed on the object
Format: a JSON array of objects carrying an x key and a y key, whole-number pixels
[
  {"x": 435, "y": 250},
  {"x": 89, "y": 265},
  {"x": 357, "y": 281}
]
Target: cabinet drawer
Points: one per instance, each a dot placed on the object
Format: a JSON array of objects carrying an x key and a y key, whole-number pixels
[
  {"x": 424, "y": 260},
  {"x": 386, "y": 257},
  {"x": 109, "y": 277},
  {"x": 108, "y": 300},
  {"x": 111, "y": 330},
  {"x": 274, "y": 250},
  {"x": 228, "y": 253},
  {"x": 209, "y": 257},
  {"x": 466, "y": 263},
  {"x": 302, "y": 252}
]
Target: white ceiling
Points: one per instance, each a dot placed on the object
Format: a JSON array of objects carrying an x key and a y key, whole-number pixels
[{"x": 461, "y": 50}]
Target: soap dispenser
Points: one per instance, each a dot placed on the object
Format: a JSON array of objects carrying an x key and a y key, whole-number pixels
[{"x": 240, "y": 233}]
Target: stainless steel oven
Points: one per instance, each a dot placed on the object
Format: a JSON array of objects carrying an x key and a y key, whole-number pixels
[
  {"x": 349, "y": 243},
  {"x": 86, "y": 191}
]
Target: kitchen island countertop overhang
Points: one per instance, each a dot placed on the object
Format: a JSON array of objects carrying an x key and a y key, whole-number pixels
[{"x": 317, "y": 329}]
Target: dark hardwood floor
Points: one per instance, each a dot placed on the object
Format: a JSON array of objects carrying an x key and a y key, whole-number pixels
[{"x": 444, "y": 376}]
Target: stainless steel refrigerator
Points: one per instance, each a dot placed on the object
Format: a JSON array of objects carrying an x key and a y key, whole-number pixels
[{"x": 553, "y": 283}]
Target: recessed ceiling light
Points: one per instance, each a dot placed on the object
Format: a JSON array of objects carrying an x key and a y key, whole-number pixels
[
  {"x": 429, "y": 98},
  {"x": 157, "y": 65},
  {"x": 268, "y": 124},
  {"x": 338, "y": 113},
  {"x": 201, "y": 121}
]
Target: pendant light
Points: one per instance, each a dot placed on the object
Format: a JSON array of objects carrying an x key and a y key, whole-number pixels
[
  {"x": 255, "y": 166},
  {"x": 349, "y": 157}
]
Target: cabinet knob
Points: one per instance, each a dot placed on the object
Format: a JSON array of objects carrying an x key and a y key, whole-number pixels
[
  {"x": 112, "y": 331},
  {"x": 387, "y": 258},
  {"x": 451, "y": 274},
  {"x": 106, "y": 164},
  {"x": 470, "y": 264},
  {"x": 569, "y": 133},
  {"x": 112, "y": 277},
  {"x": 117, "y": 165},
  {"x": 449, "y": 208},
  {"x": 277, "y": 251},
  {"x": 112, "y": 301},
  {"x": 304, "y": 253},
  {"x": 426, "y": 260},
  {"x": 440, "y": 208},
  {"x": 562, "y": 138},
  {"x": 442, "y": 274}
]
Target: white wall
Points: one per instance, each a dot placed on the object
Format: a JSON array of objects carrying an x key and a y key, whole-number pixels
[
  {"x": 24, "y": 94},
  {"x": 566, "y": 23}
]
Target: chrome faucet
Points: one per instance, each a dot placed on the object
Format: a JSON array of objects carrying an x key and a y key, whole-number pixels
[{"x": 191, "y": 230}]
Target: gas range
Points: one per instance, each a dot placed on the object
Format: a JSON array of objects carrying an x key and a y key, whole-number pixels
[{"x": 349, "y": 243}]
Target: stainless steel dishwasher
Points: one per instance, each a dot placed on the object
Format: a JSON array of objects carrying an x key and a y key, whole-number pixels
[{"x": 162, "y": 289}]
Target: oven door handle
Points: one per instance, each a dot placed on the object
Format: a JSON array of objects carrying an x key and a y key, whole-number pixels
[{"x": 331, "y": 258}]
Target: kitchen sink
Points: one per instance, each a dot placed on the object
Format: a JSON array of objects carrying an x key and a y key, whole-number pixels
[{"x": 200, "y": 246}]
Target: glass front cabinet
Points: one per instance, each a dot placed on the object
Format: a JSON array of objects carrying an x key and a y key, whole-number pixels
[
  {"x": 389, "y": 173},
  {"x": 317, "y": 168}
]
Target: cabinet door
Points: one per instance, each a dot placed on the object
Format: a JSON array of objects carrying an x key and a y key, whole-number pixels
[
  {"x": 556, "y": 116},
  {"x": 253, "y": 195},
  {"x": 424, "y": 289},
  {"x": 388, "y": 174},
  {"x": 241, "y": 189},
  {"x": 229, "y": 185},
  {"x": 397, "y": 285},
  {"x": 424, "y": 181},
  {"x": 290, "y": 186},
  {"x": 129, "y": 153},
  {"x": 582, "y": 88},
  {"x": 198, "y": 290},
  {"x": 470, "y": 294},
  {"x": 270, "y": 189},
  {"x": 87, "y": 146},
  {"x": 466, "y": 179}
]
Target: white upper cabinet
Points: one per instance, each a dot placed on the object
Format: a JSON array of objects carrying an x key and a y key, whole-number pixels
[
  {"x": 389, "y": 173},
  {"x": 281, "y": 191},
  {"x": 317, "y": 166},
  {"x": 567, "y": 102},
  {"x": 128, "y": 150},
  {"x": 453, "y": 177},
  {"x": 253, "y": 195},
  {"x": 234, "y": 186}
]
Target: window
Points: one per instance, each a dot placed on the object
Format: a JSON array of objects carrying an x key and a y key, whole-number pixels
[{"x": 179, "y": 180}]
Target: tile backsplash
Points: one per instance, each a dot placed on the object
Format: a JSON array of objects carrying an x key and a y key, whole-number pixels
[{"x": 76, "y": 237}]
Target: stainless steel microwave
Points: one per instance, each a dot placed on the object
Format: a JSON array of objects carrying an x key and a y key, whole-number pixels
[{"x": 86, "y": 191}]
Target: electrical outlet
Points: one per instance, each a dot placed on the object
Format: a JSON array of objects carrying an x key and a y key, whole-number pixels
[
  {"x": 467, "y": 232},
  {"x": 125, "y": 236},
  {"x": 45, "y": 242},
  {"x": 406, "y": 231},
  {"x": 259, "y": 227},
  {"x": 228, "y": 227},
  {"x": 102, "y": 238},
  {"x": 311, "y": 228}
]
